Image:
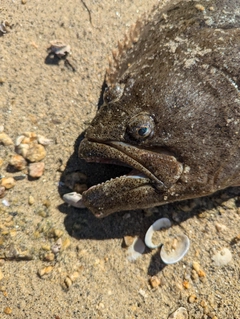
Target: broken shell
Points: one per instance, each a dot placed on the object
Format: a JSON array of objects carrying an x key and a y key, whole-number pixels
[
  {"x": 157, "y": 225},
  {"x": 222, "y": 257},
  {"x": 135, "y": 250},
  {"x": 180, "y": 313},
  {"x": 43, "y": 140},
  {"x": 174, "y": 249},
  {"x": 74, "y": 199}
]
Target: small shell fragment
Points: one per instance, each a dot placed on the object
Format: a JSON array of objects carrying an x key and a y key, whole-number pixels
[
  {"x": 180, "y": 313},
  {"x": 74, "y": 199},
  {"x": 157, "y": 225},
  {"x": 135, "y": 250},
  {"x": 222, "y": 257},
  {"x": 174, "y": 249}
]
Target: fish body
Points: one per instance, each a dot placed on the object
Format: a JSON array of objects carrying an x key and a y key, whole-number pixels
[{"x": 172, "y": 109}]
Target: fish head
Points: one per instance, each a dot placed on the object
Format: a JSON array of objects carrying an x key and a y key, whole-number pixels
[{"x": 171, "y": 114}]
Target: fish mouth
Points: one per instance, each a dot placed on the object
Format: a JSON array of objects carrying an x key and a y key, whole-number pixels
[{"x": 151, "y": 169}]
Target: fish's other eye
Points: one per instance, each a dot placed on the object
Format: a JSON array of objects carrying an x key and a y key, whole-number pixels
[
  {"x": 113, "y": 93},
  {"x": 140, "y": 126}
]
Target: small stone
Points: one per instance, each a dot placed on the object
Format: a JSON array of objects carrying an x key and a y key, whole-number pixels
[
  {"x": 154, "y": 281},
  {"x": 24, "y": 1},
  {"x": 180, "y": 313},
  {"x": 186, "y": 284},
  {"x": 31, "y": 200},
  {"x": 36, "y": 153},
  {"x": 2, "y": 191},
  {"x": 7, "y": 310},
  {"x": 5, "y": 139},
  {"x": 74, "y": 276},
  {"x": 200, "y": 7},
  {"x": 192, "y": 298},
  {"x": 235, "y": 240},
  {"x": 66, "y": 243},
  {"x": 128, "y": 240},
  {"x": 8, "y": 182},
  {"x": 196, "y": 266},
  {"x": 220, "y": 227},
  {"x": 36, "y": 170},
  {"x": 47, "y": 203},
  {"x": 56, "y": 247},
  {"x": 18, "y": 162},
  {"x": 49, "y": 257},
  {"x": 68, "y": 282},
  {"x": 222, "y": 257},
  {"x": 201, "y": 273},
  {"x": 1, "y": 275},
  {"x": 45, "y": 271}
]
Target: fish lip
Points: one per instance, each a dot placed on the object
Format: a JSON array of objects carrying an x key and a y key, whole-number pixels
[{"x": 110, "y": 152}]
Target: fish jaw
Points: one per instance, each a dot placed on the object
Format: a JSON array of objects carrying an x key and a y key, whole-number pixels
[{"x": 154, "y": 173}]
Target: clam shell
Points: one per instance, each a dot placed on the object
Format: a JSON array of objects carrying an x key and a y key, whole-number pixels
[
  {"x": 74, "y": 199},
  {"x": 157, "y": 225},
  {"x": 174, "y": 249}
]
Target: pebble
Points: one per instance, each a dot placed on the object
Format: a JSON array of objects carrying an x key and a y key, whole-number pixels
[
  {"x": 222, "y": 257},
  {"x": 66, "y": 243},
  {"x": 35, "y": 170},
  {"x": 35, "y": 153},
  {"x": 18, "y": 162},
  {"x": 68, "y": 282},
  {"x": 45, "y": 271},
  {"x": 31, "y": 200},
  {"x": 154, "y": 281},
  {"x": 220, "y": 227},
  {"x": 128, "y": 240},
  {"x": 180, "y": 313},
  {"x": 192, "y": 298},
  {"x": 2, "y": 191},
  {"x": 56, "y": 247},
  {"x": 8, "y": 182},
  {"x": 5, "y": 139},
  {"x": 49, "y": 257},
  {"x": 74, "y": 276},
  {"x": 7, "y": 310}
]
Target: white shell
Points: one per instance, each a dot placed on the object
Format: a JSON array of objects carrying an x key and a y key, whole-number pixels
[
  {"x": 222, "y": 257},
  {"x": 180, "y": 313},
  {"x": 157, "y": 225},
  {"x": 73, "y": 199},
  {"x": 136, "y": 249},
  {"x": 174, "y": 249}
]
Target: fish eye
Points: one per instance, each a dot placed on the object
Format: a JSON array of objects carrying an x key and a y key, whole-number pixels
[
  {"x": 140, "y": 126},
  {"x": 113, "y": 93}
]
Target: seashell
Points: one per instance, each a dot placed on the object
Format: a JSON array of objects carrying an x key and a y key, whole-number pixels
[
  {"x": 135, "y": 250},
  {"x": 157, "y": 225},
  {"x": 74, "y": 199},
  {"x": 43, "y": 140},
  {"x": 19, "y": 139},
  {"x": 180, "y": 313},
  {"x": 22, "y": 149},
  {"x": 222, "y": 257},
  {"x": 174, "y": 249}
]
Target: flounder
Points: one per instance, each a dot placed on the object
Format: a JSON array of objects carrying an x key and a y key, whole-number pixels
[{"x": 171, "y": 110}]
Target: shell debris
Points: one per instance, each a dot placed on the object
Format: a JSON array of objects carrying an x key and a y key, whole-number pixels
[
  {"x": 136, "y": 249},
  {"x": 161, "y": 223},
  {"x": 175, "y": 249}
]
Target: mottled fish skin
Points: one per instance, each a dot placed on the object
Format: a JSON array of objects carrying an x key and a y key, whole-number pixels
[{"x": 172, "y": 110}]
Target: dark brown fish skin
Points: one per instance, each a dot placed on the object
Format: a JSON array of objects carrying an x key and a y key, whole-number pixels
[{"x": 179, "y": 83}]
